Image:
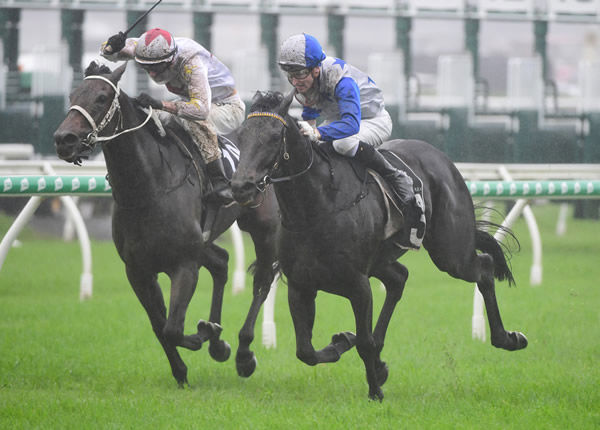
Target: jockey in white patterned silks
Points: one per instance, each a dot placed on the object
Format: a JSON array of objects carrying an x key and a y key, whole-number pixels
[
  {"x": 355, "y": 120},
  {"x": 208, "y": 102}
]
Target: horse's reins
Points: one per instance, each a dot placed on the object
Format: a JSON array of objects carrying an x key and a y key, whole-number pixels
[
  {"x": 92, "y": 138},
  {"x": 268, "y": 179}
]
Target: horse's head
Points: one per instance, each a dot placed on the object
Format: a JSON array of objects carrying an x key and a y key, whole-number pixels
[
  {"x": 93, "y": 105},
  {"x": 261, "y": 137}
]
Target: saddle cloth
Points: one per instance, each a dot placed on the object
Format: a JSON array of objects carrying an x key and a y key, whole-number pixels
[
  {"x": 230, "y": 154},
  {"x": 395, "y": 219}
]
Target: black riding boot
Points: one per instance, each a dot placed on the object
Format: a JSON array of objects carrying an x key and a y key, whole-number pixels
[
  {"x": 402, "y": 185},
  {"x": 400, "y": 182},
  {"x": 220, "y": 183}
]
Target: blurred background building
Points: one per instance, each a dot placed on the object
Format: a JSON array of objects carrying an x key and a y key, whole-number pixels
[{"x": 484, "y": 80}]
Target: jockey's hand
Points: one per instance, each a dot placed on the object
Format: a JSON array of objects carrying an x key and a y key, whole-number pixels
[
  {"x": 309, "y": 131},
  {"x": 145, "y": 100},
  {"x": 115, "y": 43}
]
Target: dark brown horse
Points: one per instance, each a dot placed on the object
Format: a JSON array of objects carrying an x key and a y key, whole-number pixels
[
  {"x": 333, "y": 232},
  {"x": 159, "y": 186}
]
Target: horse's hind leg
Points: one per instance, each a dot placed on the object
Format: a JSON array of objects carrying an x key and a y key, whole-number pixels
[
  {"x": 509, "y": 340},
  {"x": 394, "y": 278},
  {"x": 148, "y": 292},
  {"x": 264, "y": 273}
]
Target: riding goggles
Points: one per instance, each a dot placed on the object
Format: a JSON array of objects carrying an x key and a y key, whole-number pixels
[
  {"x": 154, "y": 67},
  {"x": 298, "y": 74}
]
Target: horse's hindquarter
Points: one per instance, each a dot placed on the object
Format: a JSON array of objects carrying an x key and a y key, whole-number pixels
[{"x": 448, "y": 203}]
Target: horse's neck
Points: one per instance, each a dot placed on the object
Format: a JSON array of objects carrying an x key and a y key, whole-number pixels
[
  {"x": 305, "y": 197},
  {"x": 132, "y": 160}
]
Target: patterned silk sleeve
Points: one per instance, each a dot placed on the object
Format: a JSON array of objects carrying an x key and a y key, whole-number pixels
[
  {"x": 125, "y": 54},
  {"x": 195, "y": 76}
]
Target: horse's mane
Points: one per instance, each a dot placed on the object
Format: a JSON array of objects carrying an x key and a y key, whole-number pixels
[
  {"x": 96, "y": 69},
  {"x": 266, "y": 101}
]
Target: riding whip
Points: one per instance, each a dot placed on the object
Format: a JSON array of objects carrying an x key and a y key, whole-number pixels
[{"x": 137, "y": 21}]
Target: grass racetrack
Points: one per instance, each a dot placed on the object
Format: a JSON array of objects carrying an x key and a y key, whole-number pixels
[{"x": 66, "y": 364}]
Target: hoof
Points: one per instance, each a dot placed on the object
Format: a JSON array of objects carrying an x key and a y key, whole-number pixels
[
  {"x": 182, "y": 383},
  {"x": 376, "y": 395},
  {"x": 209, "y": 330},
  {"x": 219, "y": 350},
  {"x": 512, "y": 341},
  {"x": 518, "y": 339},
  {"x": 343, "y": 341},
  {"x": 381, "y": 370},
  {"x": 246, "y": 367}
]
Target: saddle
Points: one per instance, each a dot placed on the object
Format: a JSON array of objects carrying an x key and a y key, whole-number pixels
[
  {"x": 231, "y": 158},
  {"x": 394, "y": 226}
]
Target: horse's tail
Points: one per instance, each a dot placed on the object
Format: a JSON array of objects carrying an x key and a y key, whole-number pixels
[{"x": 487, "y": 243}]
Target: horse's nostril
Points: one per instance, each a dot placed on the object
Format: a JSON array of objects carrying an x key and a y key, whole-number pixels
[{"x": 70, "y": 139}]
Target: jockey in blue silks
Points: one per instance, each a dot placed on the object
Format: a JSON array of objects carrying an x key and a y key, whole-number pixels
[{"x": 354, "y": 117}]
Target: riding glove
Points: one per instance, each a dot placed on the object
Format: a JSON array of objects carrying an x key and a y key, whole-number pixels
[
  {"x": 116, "y": 42},
  {"x": 145, "y": 100},
  {"x": 309, "y": 131}
]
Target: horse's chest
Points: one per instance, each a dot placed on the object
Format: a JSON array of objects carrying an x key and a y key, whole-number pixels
[
  {"x": 317, "y": 263},
  {"x": 151, "y": 237}
]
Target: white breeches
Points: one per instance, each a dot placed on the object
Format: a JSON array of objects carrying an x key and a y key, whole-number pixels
[
  {"x": 227, "y": 115},
  {"x": 373, "y": 131}
]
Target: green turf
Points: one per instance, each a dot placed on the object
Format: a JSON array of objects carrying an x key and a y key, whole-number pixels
[{"x": 96, "y": 364}]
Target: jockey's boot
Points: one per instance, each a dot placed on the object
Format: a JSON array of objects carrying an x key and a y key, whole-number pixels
[
  {"x": 399, "y": 181},
  {"x": 220, "y": 183}
]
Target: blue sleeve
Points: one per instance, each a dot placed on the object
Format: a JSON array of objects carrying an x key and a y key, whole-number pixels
[
  {"x": 309, "y": 113},
  {"x": 348, "y": 96}
]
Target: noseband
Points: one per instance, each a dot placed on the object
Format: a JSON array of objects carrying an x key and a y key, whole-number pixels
[
  {"x": 92, "y": 138},
  {"x": 284, "y": 154}
]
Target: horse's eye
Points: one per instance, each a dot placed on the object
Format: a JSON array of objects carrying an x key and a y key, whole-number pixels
[{"x": 102, "y": 98}]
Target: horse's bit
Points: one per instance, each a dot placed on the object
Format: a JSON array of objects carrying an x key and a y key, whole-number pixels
[
  {"x": 92, "y": 138},
  {"x": 267, "y": 180}
]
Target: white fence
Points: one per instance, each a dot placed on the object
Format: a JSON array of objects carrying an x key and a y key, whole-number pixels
[{"x": 564, "y": 174}]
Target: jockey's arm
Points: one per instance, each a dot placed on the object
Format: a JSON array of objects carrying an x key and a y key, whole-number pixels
[
  {"x": 195, "y": 76},
  {"x": 125, "y": 54},
  {"x": 348, "y": 96}
]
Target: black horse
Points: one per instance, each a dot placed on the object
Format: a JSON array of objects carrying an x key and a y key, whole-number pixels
[
  {"x": 333, "y": 232},
  {"x": 159, "y": 185}
]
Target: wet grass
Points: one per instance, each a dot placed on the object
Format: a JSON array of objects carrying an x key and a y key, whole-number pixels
[{"x": 96, "y": 364}]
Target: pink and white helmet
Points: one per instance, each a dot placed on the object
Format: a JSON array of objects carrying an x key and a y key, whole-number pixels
[{"x": 155, "y": 46}]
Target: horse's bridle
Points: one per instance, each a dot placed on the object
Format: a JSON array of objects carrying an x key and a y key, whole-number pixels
[
  {"x": 284, "y": 154},
  {"x": 92, "y": 138}
]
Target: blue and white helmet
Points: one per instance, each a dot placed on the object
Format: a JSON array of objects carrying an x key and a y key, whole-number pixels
[{"x": 301, "y": 51}]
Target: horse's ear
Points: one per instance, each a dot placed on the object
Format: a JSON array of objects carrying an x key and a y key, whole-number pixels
[
  {"x": 257, "y": 96},
  {"x": 284, "y": 106},
  {"x": 115, "y": 76}
]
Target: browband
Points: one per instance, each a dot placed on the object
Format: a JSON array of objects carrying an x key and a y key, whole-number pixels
[{"x": 269, "y": 114}]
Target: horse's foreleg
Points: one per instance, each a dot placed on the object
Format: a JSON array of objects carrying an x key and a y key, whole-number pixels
[
  {"x": 245, "y": 360},
  {"x": 362, "y": 305},
  {"x": 150, "y": 296},
  {"x": 302, "y": 309},
  {"x": 509, "y": 340},
  {"x": 217, "y": 265},
  {"x": 394, "y": 278},
  {"x": 183, "y": 285}
]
